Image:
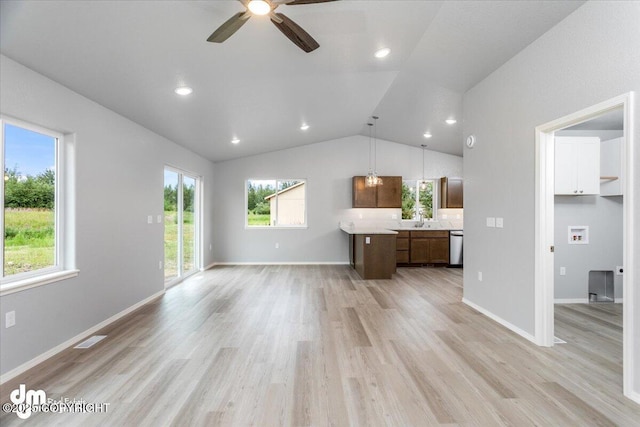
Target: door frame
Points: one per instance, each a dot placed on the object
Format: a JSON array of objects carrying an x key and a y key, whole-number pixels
[{"x": 544, "y": 228}]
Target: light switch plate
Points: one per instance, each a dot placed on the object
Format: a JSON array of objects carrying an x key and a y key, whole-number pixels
[
  {"x": 367, "y": 240},
  {"x": 499, "y": 222},
  {"x": 563, "y": 271},
  {"x": 491, "y": 222},
  {"x": 149, "y": 219},
  {"x": 10, "y": 319}
]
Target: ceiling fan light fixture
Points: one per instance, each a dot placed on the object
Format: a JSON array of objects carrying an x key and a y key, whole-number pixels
[
  {"x": 381, "y": 53},
  {"x": 259, "y": 7},
  {"x": 183, "y": 90},
  {"x": 304, "y": 126},
  {"x": 451, "y": 121},
  {"x": 235, "y": 141},
  {"x": 427, "y": 135}
]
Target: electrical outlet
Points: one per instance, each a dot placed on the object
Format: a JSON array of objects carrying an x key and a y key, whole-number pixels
[
  {"x": 619, "y": 270},
  {"x": 159, "y": 219},
  {"x": 499, "y": 222},
  {"x": 10, "y": 319},
  {"x": 491, "y": 222},
  {"x": 479, "y": 276},
  {"x": 563, "y": 271},
  {"x": 277, "y": 245},
  {"x": 149, "y": 219}
]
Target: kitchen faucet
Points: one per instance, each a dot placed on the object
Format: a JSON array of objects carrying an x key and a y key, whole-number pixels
[{"x": 420, "y": 222}]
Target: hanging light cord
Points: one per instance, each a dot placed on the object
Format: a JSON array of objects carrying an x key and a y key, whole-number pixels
[
  {"x": 375, "y": 146},
  {"x": 423, "y": 147},
  {"x": 370, "y": 147}
]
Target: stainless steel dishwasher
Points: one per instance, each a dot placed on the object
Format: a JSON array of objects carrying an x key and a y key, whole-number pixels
[{"x": 455, "y": 248}]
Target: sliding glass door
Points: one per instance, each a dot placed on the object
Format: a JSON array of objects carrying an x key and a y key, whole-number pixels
[
  {"x": 188, "y": 224},
  {"x": 181, "y": 225}
]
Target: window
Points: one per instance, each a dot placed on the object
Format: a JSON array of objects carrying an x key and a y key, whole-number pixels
[
  {"x": 418, "y": 196},
  {"x": 32, "y": 196},
  {"x": 276, "y": 203}
]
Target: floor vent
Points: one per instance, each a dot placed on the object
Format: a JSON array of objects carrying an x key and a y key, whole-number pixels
[
  {"x": 557, "y": 340},
  {"x": 91, "y": 341}
]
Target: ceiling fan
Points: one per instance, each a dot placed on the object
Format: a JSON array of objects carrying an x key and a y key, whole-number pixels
[{"x": 293, "y": 31}]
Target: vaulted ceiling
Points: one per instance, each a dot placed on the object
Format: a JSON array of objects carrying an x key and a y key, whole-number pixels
[{"x": 259, "y": 87}]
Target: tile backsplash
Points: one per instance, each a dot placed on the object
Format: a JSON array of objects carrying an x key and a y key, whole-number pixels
[{"x": 391, "y": 218}]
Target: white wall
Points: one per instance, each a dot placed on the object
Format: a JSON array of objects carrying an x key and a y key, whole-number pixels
[
  {"x": 328, "y": 167},
  {"x": 119, "y": 181},
  {"x": 589, "y": 57}
]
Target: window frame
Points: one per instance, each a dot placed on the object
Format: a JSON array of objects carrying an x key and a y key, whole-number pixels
[
  {"x": 61, "y": 269},
  {"x": 271, "y": 227},
  {"x": 434, "y": 199}
]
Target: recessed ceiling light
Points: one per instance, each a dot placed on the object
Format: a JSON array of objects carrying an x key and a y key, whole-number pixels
[
  {"x": 183, "y": 90},
  {"x": 235, "y": 141},
  {"x": 427, "y": 135},
  {"x": 259, "y": 7},
  {"x": 304, "y": 126},
  {"x": 381, "y": 53},
  {"x": 450, "y": 121}
]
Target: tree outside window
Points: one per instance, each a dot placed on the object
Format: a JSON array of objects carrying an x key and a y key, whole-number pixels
[{"x": 418, "y": 195}]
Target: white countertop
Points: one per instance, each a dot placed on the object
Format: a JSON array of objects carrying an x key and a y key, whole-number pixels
[{"x": 366, "y": 230}]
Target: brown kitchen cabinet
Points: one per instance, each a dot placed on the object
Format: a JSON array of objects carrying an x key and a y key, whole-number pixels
[
  {"x": 402, "y": 247},
  {"x": 387, "y": 195},
  {"x": 428, "y": 247},
  {"x": 451, "y": 192},
  {"x": 373, "y": 255}
]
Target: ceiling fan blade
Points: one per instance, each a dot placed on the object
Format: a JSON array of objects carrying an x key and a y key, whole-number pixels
[
  {"x": 295, "y": 33},
  {"x": 227, "y": 29},
  {"x": 296, "y": 2}
]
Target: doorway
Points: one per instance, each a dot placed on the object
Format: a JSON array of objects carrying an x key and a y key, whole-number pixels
[
  {"x": 545, "y": 230},
  {"x": 181, "y": 225}
]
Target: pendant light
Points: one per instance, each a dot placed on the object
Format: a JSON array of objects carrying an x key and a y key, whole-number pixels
[
  {"x": 370, "y": 181},
  {"x": 376, "y": 178},
  {"x": 423, "y": 183}
]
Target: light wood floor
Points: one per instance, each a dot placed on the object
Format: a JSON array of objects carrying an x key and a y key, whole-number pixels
[{"x": 314, "y": 345}]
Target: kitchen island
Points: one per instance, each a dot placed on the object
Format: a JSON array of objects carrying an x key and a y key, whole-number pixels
[{"x": 372, "y": 251}]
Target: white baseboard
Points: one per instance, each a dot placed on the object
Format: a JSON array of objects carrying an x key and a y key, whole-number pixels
[
  {"x": 280, "y": 263},
  {"x": 213, "y": 264},
  {"x": 501, "y": 321},
  {"x": 633, "y": 396},
  {"x": 580, "y": 301},
  {"x": 80, "y": 337}
]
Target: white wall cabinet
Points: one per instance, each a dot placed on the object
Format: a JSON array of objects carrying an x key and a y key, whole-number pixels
[{"x": 577, "y": 165}]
